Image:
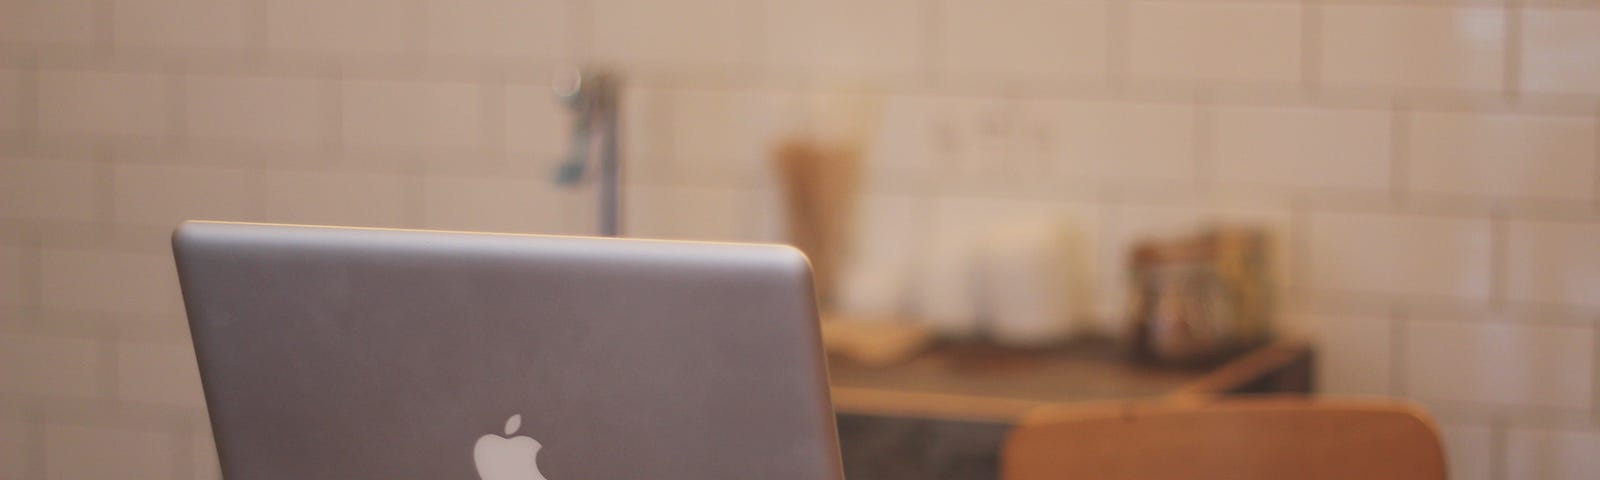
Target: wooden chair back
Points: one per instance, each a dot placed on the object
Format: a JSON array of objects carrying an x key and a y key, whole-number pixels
[{"x": 1265, "y": 438}]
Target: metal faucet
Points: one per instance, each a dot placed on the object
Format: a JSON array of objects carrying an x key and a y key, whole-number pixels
[{"x": 592, "y": 96}]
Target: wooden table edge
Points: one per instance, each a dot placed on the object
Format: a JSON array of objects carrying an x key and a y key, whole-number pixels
[{"x": 1227, "y": 378}]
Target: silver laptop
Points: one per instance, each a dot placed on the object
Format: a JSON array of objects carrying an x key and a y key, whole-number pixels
[{"x": 338, "y": 353}]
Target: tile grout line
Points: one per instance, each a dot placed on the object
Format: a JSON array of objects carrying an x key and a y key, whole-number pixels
[
  {"x": 1311, "y": 46},
  {"x": 257, "y": 28},
  {"x": 413, "y": 198},
  {"x": 1594, "y": 388},
  {"x": 1299, "y": 250},
  {"x": 33, "y": 280},
  {"x": 1164, "y": 91},
  {"x": 182, "y": 454},
  {"x": 257, "y": 168},
  {"x": 1399, "y": 320},
  {"x": 1383, "y": 3},
  {"x": 1008, "y": 167},
  {"x": 105, "y": 188},
  {"x": 756, "y": 49},
  {"x": 581, "y": 45},
  {"x": 104, "y": 25},
  {"x": 177, "y": 87},
  {"x": 494, "y": 95},
  {"x": 1119, "y": 27},
  {"x": 417, "y": 50},
  {"x": 1399, "y": 153},
  {"x": 668, "y": 123},
  {"x": 1323, "y": 300},
  {"x": 108, "y": 346},
  {"x": 1204, "y": 141},
  {"x": 29, "y": 104},
  {"x": 1537, "y": 416},
  {"x": 1499, "y": 230},
  {"x": 1497, "y": 445},
  {"x": 931, "y": 17},
  {"x": 1511, "y": 71},
  {"x": 33, "y": 462},
  {"x": 199, "y": 427},
  {"x": 331, "y": 93}
]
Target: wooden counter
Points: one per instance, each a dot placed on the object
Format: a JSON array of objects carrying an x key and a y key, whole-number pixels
[{"x": 945, "y": 413}]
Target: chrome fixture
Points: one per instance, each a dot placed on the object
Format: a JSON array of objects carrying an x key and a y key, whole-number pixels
[{"x": 592, "y": 96}]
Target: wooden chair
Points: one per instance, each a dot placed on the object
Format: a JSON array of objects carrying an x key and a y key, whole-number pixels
[{"x": 1264, "y": 438}]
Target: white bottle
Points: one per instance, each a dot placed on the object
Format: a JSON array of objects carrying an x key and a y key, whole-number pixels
[{"x": 1024, "y": 274}]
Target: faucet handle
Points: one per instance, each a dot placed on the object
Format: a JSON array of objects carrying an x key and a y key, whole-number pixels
[
  {"x": 567, "y": 85},
  {"x": 569, "y": 172}
]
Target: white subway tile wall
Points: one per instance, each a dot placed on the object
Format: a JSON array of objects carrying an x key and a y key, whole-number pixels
[
  {"x": 410, "y": 116},
  {"x": 1556, "y": 51},
  {"x": 14, "y": 275},
  {"x": 535, "y": 126},
  {"x": 13, "y": 442},
  {"x": 10, "y": 99},
  {"x": 1122, "y": 141},
  {"x": 910, "y": 138},
  {"x": 107, "y": 281},
  {"x": 675, "y": 33},
  {"x": 1355, "y": 355},
  {"x": 1410, "y": 159},
  {"x": 1502, "y": 156},
  {"x": 349, "y": 27},
  {"x": 48, "y": 22},
  {"x": 276, "y": 110},
  {"x": 189, "y": 24},
  {"x": 55, "y": 366},
  {"x": 106, "y": 103},
  {"x": 1553, "y": 263},
  {"x": 459, "y": 203},
  {"x": 718, "y": 214},
  {"x": 646, "y": 136},
  {"x": 1540, "y": 453},
  {"x": 163, "y": 195},
  {"x": 723, "y": 133},
  {"x": 1211, "y": 41},
  {"x": 74, "y": 451},
  {"x": 1403, "y": 255},
  {"x": 366, "y": 199},
  {"x": 204, "y": 452},
  {"x": 871, "y": 37},
  {"x": 1023, "y": 37},
  {"x": 508, "y": 29},
  {"x": 968, "y": 141},
  {"x": 1424, "y": 47},
  {"x": 49, "y": 189},
  {"x": 1469, "y": 451},
  {"x": 1491, "y": 363},
  {"x": 158, "y": 373},
  {"x": 1303, "y": 147}
]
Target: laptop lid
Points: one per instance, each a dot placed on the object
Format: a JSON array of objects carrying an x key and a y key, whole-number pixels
[{"x": 338, "y": 353}]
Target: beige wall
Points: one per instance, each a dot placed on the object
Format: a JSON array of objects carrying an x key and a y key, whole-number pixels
[{"x": 1430, "y": 169}]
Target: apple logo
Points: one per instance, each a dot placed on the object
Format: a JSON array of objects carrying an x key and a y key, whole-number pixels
[{"x": 503, "y": 458}]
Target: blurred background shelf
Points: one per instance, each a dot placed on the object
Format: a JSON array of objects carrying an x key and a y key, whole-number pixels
[{"x": 945, "y": 413}]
